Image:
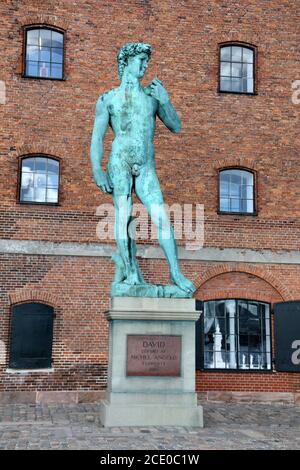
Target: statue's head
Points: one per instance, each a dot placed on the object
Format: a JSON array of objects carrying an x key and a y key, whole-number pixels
[{"x": 134, "y": 55}]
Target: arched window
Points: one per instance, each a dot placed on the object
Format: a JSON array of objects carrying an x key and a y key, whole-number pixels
[
  {"x": 236, "y": 191},
  {"x": 44, "y": 53},
  {"x": 39, "y": 180},
  {"x": 234, "y": 334},
  {"x": 237, "y": 69},
  {"x": 31, "y": 336}
]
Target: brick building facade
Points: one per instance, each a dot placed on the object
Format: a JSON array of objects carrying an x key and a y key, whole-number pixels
[{"x": 51, "y": 254}]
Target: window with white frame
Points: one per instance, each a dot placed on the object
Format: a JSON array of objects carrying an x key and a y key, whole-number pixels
[
  {"x": 236, "y": 191},
  {"x": 237, "y": 335}
]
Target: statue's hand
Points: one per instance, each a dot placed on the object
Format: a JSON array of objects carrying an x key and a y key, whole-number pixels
[
  {"x": 103, "y": 182},
  {"x": 158, "y": 91}
]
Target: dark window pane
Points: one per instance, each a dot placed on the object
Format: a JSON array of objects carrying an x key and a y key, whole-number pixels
[
  {"x": 33, "y": 36},
  {"x": 254, "y": 341},
  {"x": 31, "y": 336},
  {"x": 56, "y": 71},
  {"x": 220, "y": 308},
  {"x": 45, "y": 37}
]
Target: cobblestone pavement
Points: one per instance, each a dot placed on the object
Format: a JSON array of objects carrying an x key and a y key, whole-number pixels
[{"x": 227, "y": 426}]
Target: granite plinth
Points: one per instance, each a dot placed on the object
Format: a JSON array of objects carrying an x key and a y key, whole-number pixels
[{"x": 151, "y": 400}]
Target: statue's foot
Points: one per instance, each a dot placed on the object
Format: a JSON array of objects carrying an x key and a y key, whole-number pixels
[
  {"x": 133, "y": 279},
  {"x": 182, "y": 282}
]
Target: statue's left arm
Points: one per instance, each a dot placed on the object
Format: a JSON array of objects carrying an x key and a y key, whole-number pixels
[{"x": 165, "y": 111}]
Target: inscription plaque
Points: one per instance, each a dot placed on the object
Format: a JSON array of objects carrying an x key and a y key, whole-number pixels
[{"x": 158, "y": 355}]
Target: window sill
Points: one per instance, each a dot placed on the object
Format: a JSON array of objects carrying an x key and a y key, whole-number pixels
[
  {"x": 44, "y": 78},
  {"x": 237, "y": 93},
  {"x": 29, "y": 371},
  {"x": 239, "y": 214},
  {"x": 33, "y": 203}
]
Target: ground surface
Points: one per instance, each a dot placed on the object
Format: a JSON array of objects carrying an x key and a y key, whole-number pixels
[{"x": 227, "y": 426}]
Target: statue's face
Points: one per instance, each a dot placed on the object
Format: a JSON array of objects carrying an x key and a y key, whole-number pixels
[{"x": 138, "y": 64}]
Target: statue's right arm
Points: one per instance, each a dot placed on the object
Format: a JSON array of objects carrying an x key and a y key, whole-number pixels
[{"x": 96, "y": 153}]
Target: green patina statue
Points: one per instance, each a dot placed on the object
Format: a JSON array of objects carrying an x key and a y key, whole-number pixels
[{"x": 131, "y": 112}]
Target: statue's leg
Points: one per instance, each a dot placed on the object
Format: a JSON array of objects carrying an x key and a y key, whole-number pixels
[
  {"x": 122, "y": 197},
  {"x": 148, "y": 191}
]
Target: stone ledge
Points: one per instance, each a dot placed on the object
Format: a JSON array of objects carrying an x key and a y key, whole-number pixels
[
  {"x": 103, "y": 250},
  {"x": 30, "y": 397},
  {"x": 41, "y": 397},
  {"x": 250, "y": 397},
  {"x": 175, "y": 316},
  {"x": 147, "y": 308},
  {"x": 29, "y": 371}
]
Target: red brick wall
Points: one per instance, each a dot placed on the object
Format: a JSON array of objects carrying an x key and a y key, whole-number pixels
[
  {"x": 78, "y": 288},
  {"x": 55, "y": 117}
]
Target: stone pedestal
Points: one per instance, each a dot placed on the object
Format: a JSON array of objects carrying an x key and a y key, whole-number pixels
[{"x": 151, "y": 375}]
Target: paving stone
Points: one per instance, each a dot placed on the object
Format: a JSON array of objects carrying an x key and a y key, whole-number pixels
[{"x": 77, "y": 426}]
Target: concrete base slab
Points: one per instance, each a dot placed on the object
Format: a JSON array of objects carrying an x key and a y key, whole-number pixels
[{"x": 150, "y": 415}]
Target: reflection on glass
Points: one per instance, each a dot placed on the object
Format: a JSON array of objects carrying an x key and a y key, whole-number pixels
[
  {"x": 39, "y": 180},
  {"x": 236, "y": 191},
  {"x": 44, "y": 53},
  {"x": 239, "y": 337},
  {"x": 236, "y": 69}
]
